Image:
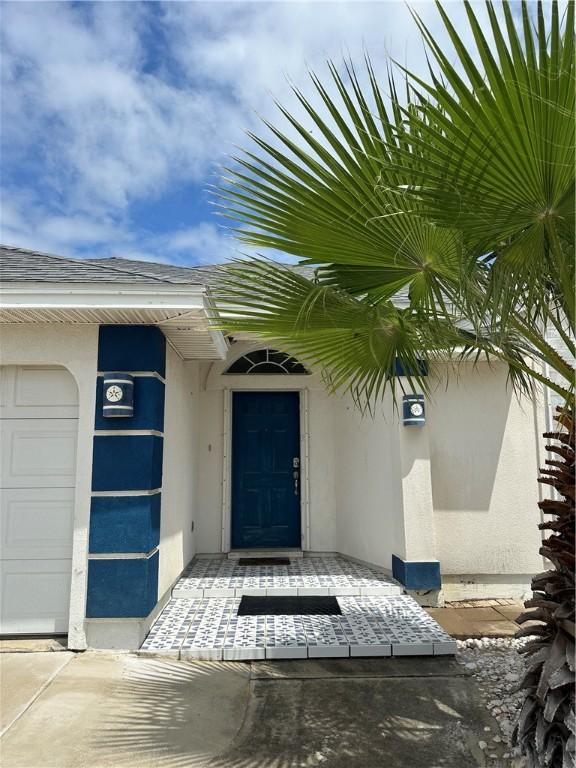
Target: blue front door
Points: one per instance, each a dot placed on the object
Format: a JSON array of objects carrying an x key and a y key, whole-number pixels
[{"x": 265, "y": 458}]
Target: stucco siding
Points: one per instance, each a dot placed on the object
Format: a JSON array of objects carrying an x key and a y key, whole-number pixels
[
  {"x": 179, "y": 482},
  {"x": 210, "y": 462},
  {"x": 368, "y": 483},
  {"x": 323, "y": 471},
  {"x": 484, "y": 462}
]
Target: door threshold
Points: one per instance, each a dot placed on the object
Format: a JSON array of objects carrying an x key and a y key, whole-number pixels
[{"x": 292, "y": 554}]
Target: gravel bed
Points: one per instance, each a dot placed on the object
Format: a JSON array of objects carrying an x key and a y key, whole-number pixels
[{"x": 498, "y": 668}]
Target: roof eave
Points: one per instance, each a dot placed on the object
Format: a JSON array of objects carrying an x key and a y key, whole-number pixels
[
  {"x": 90, "y": 294},
  {"x": 181, "y": 312}
]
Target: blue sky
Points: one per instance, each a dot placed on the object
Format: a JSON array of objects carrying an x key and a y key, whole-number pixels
[{"x": 116, "y": 117}]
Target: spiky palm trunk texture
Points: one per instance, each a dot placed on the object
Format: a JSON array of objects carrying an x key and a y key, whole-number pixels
[{"x": 545, "y": 729}]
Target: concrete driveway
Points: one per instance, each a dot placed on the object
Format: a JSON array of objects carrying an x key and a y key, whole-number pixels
[{"x": 105, "y": 710}]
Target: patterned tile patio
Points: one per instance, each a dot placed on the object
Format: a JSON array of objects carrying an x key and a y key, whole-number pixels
[
  {"x": 201, "y": 620},
  {"x": 304, "y": 576}
]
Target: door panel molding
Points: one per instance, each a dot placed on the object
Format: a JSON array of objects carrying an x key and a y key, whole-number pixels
[
  {"x": 266, "y": 510},
  {"x": 226, "y": 531}
]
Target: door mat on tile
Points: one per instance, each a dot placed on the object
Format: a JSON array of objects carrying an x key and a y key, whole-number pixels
[
  {"x": 263, "y": 561},
  {"x": 289, "y": 606}
]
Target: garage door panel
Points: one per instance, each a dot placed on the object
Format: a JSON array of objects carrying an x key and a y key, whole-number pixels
[
  {"x": 46, "y": 587},
  {"x": 37, "y": 392},
  {"x": 36, "y": 522},
  {"x": 38, "y": 453},
  {"x": 38, "y": 435}
]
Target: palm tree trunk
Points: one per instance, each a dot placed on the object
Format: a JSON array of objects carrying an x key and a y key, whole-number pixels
[{"x": 545, "y": 730}]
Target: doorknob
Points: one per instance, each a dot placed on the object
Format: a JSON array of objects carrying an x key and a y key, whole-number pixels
[{"x": 296, "y": 474}]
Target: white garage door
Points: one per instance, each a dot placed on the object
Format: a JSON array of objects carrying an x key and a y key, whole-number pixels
[{"x": 38, "y": 429}]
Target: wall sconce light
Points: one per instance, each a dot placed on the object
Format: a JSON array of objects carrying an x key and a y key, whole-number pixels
[
  {"x": 413, "y": 411},
  {"x": 118, "y": 395}
]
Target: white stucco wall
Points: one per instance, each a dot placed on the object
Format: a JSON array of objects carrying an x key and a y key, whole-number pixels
[
  {"x": 75, "y": 347},
  {"x": 368, "y": 483},
  {"x": 210, "y": 471},
  {"x": 180, "y": 469},
  {"x": 323, "y": 471},
  {"x": 484, "y": 463}
]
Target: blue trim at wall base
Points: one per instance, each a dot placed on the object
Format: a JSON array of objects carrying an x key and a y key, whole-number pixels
[
  {"x": 122, "y": 589},
  {"x": 417, "y": 574},
  {"x": 124, "y": 524}
]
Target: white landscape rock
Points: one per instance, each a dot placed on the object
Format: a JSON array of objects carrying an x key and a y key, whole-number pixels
[{"x": 498, "y": 668}]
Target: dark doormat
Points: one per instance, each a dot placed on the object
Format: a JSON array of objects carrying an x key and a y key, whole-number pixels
[
  {"x": 263, "y": 561},
  {"x": 288, "y": 606}
]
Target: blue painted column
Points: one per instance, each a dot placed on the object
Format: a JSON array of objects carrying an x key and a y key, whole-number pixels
[{"x": 127, "y": 478}]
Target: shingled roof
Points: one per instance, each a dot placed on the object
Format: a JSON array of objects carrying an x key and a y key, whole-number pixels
[
  {"x": 204, "y": 275},
  {"x": 20, "y": 265}
]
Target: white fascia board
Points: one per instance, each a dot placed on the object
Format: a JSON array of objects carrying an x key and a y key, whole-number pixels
[{"x": 101, "y": 296}]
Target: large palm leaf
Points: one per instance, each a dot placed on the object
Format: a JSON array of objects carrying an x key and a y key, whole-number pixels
[
  {"x": 500, "y": 139},
  {"x": 319, "y": 199},
  {"x": 360, "y": 343}
]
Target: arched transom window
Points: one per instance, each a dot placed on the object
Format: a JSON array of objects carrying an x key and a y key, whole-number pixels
[{"x": 266, "y": 361}]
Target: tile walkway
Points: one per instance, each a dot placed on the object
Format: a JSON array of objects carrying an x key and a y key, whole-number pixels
[
  {"x": 201, "y": 620},
  {"x": 304, "y": 576}
]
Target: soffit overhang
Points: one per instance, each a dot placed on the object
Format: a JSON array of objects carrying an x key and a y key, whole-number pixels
[{"x": 181, "y": 312}]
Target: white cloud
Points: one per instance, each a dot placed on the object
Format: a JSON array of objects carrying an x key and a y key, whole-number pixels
[
  {"x": 100, "y": 124},
  {"x": 26, "y": 224},
  {"x": 110, "y": 132},
  {"x": 23, "y": 222},
  {"x": 205, "y": 242}
]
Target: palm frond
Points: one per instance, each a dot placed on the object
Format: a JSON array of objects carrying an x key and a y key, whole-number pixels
[
  {"x": 330, "y": 199},
  {"x": 360, "y": 345},
  {"x": 500, "y": 137},
  {"x": 363, "y": 346}
]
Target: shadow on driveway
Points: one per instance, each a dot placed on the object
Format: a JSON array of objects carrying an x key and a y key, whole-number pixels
[{"x": 123, "y": 711}]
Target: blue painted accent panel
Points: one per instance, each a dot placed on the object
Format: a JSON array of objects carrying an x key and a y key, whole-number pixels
[
  {"x": 131, "y": 348},
  {"x": 127, "y": 462},
  {"x": 417, "y": 574},
  {"x": 124, "y": 523},
  {"x": 122, "y": 589},
  {"x": 148, "y": 406},
  {"x": 400, "y": 371},
  {"x": 265, "y": 442}
]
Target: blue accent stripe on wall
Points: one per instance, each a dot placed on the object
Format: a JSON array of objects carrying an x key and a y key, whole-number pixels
[
  {"x": 421, "y": 370},
  {"x": 127, "y": 462},
  {"x": 124, "y": 524},
  {"x": 148, "y": 406},
  {"x": 122, "y": 588},
  {"x": 417, "y": 574},
  {"x": 131, "y": 348}
]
